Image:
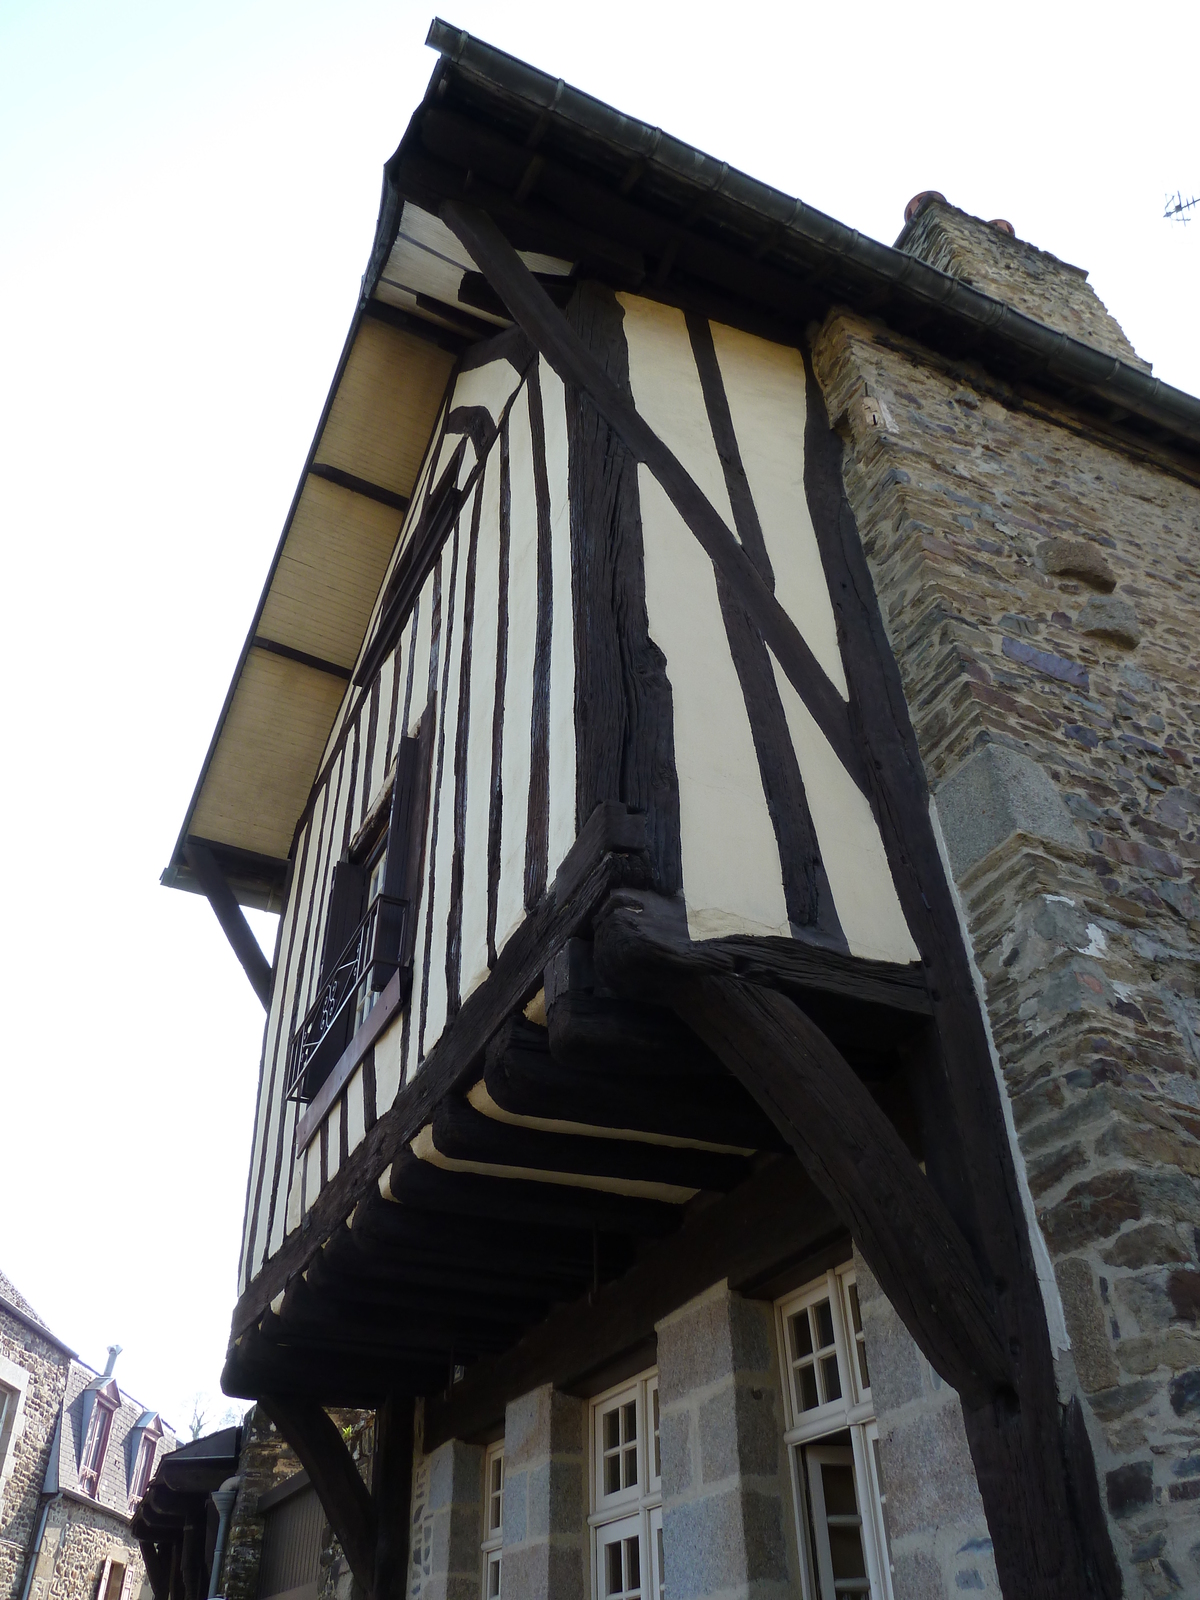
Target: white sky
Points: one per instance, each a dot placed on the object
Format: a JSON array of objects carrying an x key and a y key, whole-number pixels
[{"x": 188, "y": 194}]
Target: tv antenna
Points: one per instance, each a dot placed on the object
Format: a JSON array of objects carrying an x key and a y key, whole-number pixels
[{"x": 1180, "y": 210}]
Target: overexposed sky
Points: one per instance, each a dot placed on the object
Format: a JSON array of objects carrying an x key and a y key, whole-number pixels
[{"x": 188, "y": 195}]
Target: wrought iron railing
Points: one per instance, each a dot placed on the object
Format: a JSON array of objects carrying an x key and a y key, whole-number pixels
[{"x": 371, "y": 957}]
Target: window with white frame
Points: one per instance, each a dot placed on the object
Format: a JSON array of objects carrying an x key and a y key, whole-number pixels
[
  {"x": 493, "y": 1519},
  {"x": 95, "y": 1446},
  {"x": 833, "y": 1442},
  {"x": 626, "y": 1493}
]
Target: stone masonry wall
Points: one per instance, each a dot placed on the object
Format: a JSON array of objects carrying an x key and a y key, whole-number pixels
[
  {"x": 1040, "y": 583},
  {"x": 77, "y": 1542},
  {"x": 1030, "y": 280},
  {"x": 937, "y": 1530},
  {"x": 47, "y": 1367}
]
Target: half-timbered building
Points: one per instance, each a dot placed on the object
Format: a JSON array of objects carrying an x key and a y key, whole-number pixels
[{"x": 684, "y": 1133}]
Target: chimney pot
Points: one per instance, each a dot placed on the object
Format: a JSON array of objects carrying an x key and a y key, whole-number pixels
[
  {"x": 918, "y": 202},
  {"x": 114, "y": 1350},
  {"x": 1003, "y": 227}
]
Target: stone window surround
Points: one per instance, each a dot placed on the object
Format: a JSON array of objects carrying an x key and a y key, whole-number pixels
[
  {"x": 643, "y": 1502},
  {"x": 491, "y": 1549},
  {"x": 852, "y": 1411},
  {"x": 14, "y": 1379}
]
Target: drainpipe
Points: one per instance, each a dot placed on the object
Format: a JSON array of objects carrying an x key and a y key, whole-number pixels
[
  {"x": 223, "y": 1498},
  {"x": 31, "y": 1568}
]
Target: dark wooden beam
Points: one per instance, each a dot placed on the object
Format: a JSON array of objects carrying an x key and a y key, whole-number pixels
[
  {"x": 522, "y": 1078},
  {"x": 514, "y": 1201},
  {"x": 317, "y": 663},
  {"x": 391, "y": 1494},
  {"x": 464, "y": 1134},
  {"x": 773, "y": 1219},
  {"x": 256, "y": 1366},
  {"x": 550, "y": 332},
  {"x": 454, "y": 340},
  {"x": 231, "y": 917},
  {"x": 369, "y": 491},
  {"x": 318, "y": 1445}
]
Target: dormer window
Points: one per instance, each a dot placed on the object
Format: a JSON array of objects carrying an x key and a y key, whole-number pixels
[
  {"x": 95, "y": 1445},
  {"x": 150, "y": 1432}
]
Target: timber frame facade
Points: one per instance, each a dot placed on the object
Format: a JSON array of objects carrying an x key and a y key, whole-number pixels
[{"x": 618, "y": 954}]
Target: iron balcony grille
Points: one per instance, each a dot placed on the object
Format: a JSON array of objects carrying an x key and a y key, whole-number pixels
[{"x": 370, "y": 959}]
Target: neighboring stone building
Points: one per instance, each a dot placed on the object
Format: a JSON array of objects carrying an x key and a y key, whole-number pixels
[
  {"x": 76, "y": 1455},
  {"x": 722, "y": 728}
]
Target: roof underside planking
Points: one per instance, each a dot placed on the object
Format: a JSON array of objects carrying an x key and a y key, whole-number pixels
[{"x": 580, "y": 190}]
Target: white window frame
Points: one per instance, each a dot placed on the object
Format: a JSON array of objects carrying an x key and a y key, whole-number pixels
[
  {"x": 633, "y": 1510},
  {"x": 14, "y": 1382},
  {"x": 491, "y": 1549},
  {"x": 852, "y": 1411}
]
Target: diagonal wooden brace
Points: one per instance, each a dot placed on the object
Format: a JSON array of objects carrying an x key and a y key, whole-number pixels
[
  {"x": 313, "y": 1435},
  {"x": 846, "y": 1144}
]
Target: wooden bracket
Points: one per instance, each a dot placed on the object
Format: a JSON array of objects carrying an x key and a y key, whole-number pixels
[
  {"x": 231, "y": 917},
  {"x": 353, "y": 1514},
  {"x": 844, "y": 1141}
]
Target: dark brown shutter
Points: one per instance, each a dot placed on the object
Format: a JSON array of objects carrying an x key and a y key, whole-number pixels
[{"x": 347, "y": 905}]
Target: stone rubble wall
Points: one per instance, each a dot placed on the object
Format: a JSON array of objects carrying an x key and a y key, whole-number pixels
[
  {"x": 1040, "y": 584},
  {"x": 47, "y": 1366},
  {"x": 77, "y": 1542}
]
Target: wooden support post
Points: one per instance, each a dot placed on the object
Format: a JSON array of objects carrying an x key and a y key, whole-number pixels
[
  {"x": 391, "y": 1494},
  {"x": 231, "y": 917},
  {"x": 158, "y": 1569},
  {"x": 344, "y": 1496},
  {"x": 370, "y": 1525}
]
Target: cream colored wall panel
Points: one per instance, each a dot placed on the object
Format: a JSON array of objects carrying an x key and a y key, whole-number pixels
[
  {"x": 436, "y": 997},
  {"x": 356, "y": 1123},
  {"x": 561, "y": 830},
  {"x": 848, "y": 838},
  {"x": 293, "y": 1177},
  {"x": 385, "y": 406},
  {"x": 765, "y": 386},
  {"x": 377, "y": 776},
  {"x": 732, "y": 877},
  {"x": 479, "y": 734},
  {"x": 424, "y": 625},
  {"x": 333, "y": 1154},
  {"x": 387, "y": 1066},
  {"x": 518, "y": 697},
  {"x": 265, "y": 761},
  {"x": 329, "y": 573},
  {"x": 491, "y": 386},
  {"x": 666, "y": 388}
]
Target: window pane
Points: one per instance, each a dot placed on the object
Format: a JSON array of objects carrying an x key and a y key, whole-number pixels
[
  {"x": 633, "y": 1565},
  {"x": 657, "y": 1442},
  {"x": 662, "y": 1566},
  {"x": 801, "y": 1335},
  {"x": 824, "y": 1316},
  {"x": 830, "y": 1378},
  {"x": 807, "y": 1384},
  {"x": 612, "y": 1474},
  {"x": 612, "y": 1568},
  {"x": 629, "y": 1421},
  {"x": 838, "y": 1483},
  {"x": 494, "y": 1578},
  {"x": 612, "y": 1429},
  {"x": 846, "y": 1553}
]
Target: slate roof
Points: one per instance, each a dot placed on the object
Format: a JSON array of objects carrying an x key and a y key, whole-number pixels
[{"x": 116, "y": 1474}]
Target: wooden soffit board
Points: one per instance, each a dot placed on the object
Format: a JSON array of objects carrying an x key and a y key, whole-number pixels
[{"x": 306, "y": 635}]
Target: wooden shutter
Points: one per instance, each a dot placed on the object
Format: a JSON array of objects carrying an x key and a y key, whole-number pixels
[{"x": 346, "y": 907}]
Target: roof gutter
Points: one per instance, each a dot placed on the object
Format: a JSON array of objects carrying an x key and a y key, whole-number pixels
[{"x": 880, "y": 266}]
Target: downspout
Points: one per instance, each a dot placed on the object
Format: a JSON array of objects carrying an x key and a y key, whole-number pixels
[
  {"x": 31, "y": 1567},
  {"x": 223, "y": 1498}
]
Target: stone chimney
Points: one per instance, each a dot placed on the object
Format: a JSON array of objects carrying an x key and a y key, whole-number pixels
[{"x": 990, "y": 257}]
